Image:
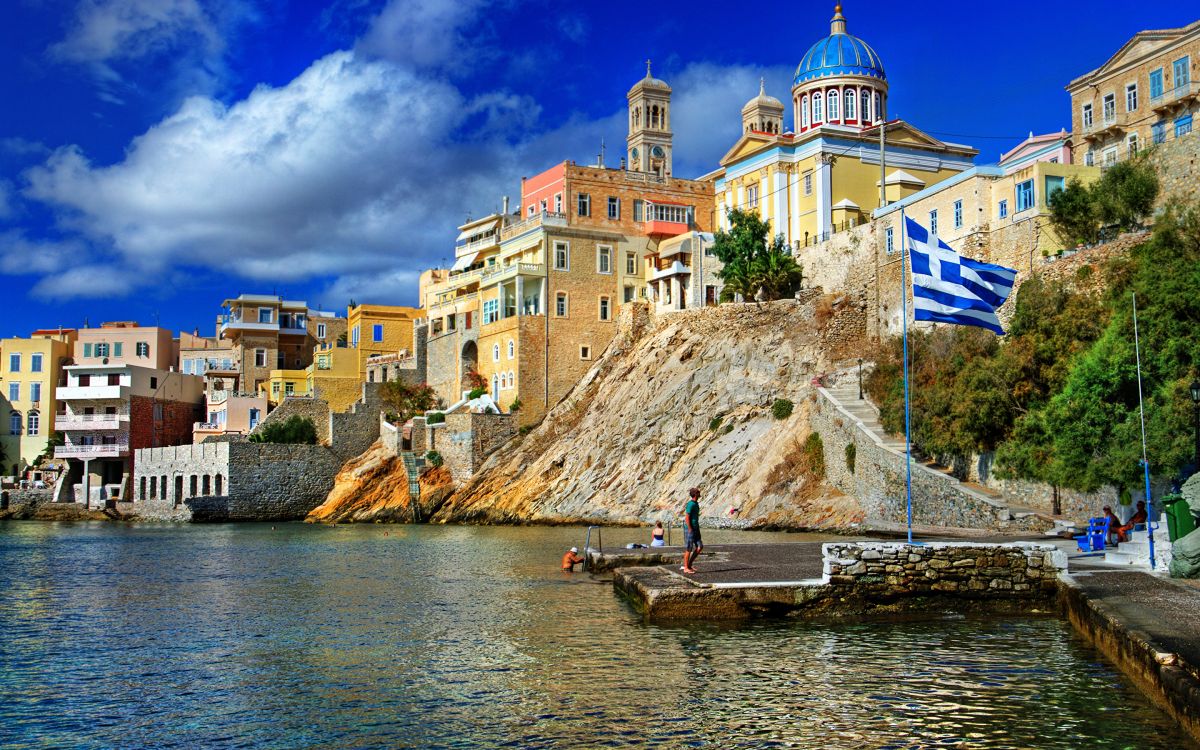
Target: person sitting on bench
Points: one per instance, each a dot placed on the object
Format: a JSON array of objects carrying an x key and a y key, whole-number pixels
[
  {"x": 1138, "y": 517},
  {"x": 1113, "y": 523}
]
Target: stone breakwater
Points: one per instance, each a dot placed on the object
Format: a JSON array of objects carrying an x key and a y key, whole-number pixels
[{"x": 883, "y": 571}]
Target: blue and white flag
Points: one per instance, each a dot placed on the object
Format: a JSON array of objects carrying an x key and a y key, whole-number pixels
[{"x": 949, "y": 288}]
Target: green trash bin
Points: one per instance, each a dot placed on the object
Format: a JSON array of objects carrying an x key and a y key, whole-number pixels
[{"x": 1179, "y": 517}]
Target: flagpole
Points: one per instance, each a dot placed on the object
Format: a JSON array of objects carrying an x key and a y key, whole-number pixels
[
  {"x": 907, "y": 417},
  {"x": 1137, "y": 349}
]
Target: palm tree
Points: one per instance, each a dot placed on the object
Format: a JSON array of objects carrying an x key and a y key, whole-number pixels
[{"x": 777, "y": 274}]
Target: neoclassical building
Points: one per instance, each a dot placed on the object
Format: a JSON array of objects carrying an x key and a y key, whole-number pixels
[{"x": 823, "y": 175}]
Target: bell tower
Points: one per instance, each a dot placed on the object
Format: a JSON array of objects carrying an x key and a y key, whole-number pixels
[{"x": 649, "y": 140}]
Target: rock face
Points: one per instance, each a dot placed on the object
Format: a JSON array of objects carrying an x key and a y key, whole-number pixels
[
  {"x": 374, "y": 488},
  {"x": 681, "y": 401}
]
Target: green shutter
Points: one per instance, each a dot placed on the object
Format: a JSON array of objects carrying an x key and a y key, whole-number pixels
[
  {"x": 117, "y": 349},
  {"x": 87, "y": 350}
]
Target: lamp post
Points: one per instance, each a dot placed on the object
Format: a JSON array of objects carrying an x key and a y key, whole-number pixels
[
  {"x": 1195, "y": 389},
  {"x": 860, "y": 395}
]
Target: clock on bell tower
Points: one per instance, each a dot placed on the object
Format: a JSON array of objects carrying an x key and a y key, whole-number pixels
[{"x": 649, "y": 140}]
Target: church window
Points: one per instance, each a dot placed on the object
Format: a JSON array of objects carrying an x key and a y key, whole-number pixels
[
  {"x": 866, "y": 105},
  {"x": 804, "y": 112},
  {"x": 817, "y": 112},
  {"x": 849, "y": 99},
  {"x": 878, "y": 109},
  {"x": 808, "y": 182},
  {"x": 834, "y": 101},
  {"x": 752, "y": 196}
]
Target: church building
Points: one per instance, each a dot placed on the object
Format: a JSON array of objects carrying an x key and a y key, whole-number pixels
[{"x": 823, "y": 175}]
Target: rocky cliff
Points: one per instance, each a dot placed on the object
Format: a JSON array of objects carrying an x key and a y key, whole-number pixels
[
  {"x": 374, "y": 488},
  {"x": 680, "y": 401}
]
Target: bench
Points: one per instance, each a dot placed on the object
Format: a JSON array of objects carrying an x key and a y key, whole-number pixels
[{"x": 1096, "y": 536}]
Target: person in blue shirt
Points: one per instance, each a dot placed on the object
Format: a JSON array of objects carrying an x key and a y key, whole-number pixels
[{"x": 691, "y": 530}]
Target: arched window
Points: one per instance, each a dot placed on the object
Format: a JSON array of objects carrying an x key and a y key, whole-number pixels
[
  {"x": 878, "y": 109},
  {"x": 834, "y": 101},
  {"x": 495, "y": 352},
  {"x": 512, "y": 379},
  {"x": 512, "y": 349},
  {"x": 33, "y": 423},
  {"x": 817, "y": 114},
  {"x": 849, "y": 98},
  {"x": 14, "y": 423},
  {"x": 866, "y": 105},
  {"x": 804, "y": 112},
  {"x": 495, "y": 385}
]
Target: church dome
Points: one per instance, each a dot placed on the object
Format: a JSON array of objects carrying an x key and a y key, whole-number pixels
[
  {"x": 763, "y": 99},
  {"x": 650, "y": 82},
  {"x": 839, "y": 54}
]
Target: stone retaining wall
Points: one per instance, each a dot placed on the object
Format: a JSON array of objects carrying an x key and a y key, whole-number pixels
[
  {"x": 18, "y": 498},
  {"x": 890, "y": 570},
  {"x": 878, "y": 478}
]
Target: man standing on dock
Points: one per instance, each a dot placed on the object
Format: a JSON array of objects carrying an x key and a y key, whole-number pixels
[{"x": 691, "y": 530}]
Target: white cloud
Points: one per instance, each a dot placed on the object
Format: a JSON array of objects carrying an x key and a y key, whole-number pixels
[
  {"x": 122, "y": 29},
  {"x": 448, "y": 34},
  {"x": 85, "y": 282},
  {"x": 21, "y": 255}
]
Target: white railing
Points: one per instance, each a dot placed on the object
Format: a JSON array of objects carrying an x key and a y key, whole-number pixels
[
  {"x": 548, "y": 218},
  {"x": 666, "y": 213},
  {"x": 105, "y": 450}
]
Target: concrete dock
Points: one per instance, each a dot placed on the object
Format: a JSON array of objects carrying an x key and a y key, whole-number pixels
[{"x": 1147, "y": 624}]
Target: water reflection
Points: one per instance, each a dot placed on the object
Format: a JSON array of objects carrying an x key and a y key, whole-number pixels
[{"x": 470, "y": 637}]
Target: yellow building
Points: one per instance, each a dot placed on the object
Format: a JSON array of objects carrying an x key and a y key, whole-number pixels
[
  {"x": 379, "y": 329},
  {"x": 283, "y": 383},
  {"x": 31, "y": 370},
  {"x": 335, "y": 376},
  {"x": 824, "y": 176}
]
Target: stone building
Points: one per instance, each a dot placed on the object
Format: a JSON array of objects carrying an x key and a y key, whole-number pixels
[
  {"x": 1147, "y": 93},
  {"x": 682, "y": 274},
  {"x": 532, "y": 297}
]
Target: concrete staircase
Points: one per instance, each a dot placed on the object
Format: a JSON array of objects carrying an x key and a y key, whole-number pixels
[
  {"x": 842, "y": 388},
  {"x": 1136, "y": 552}
]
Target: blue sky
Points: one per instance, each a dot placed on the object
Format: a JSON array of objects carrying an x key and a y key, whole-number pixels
[{"x": 158, "y": 156}]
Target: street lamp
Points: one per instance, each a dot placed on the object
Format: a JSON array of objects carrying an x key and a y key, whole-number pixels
[{"x": 1194, "y": 391}]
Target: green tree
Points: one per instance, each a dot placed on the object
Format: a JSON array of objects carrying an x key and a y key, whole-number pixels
[
  {"x": 405, "y": 400},
  {"x": 1125, "y": 194},
  {"x": 752, "y": 261},
  {"x": 1073, "y": 215},
  {"x": 293, "y": 430}
]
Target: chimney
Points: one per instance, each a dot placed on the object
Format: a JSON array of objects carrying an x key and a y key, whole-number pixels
[{"x": 505, "y": 203}]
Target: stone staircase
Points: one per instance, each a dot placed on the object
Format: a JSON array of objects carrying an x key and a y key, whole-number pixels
[
  {"x": 842, "y": 388},
  {"x": 1136, "y": 552}
]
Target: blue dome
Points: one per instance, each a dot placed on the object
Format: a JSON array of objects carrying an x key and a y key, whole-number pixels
[{"x": 839, "y": 54}]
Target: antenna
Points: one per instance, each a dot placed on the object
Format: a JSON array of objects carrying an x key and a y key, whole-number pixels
[{"x": 601, "y": 163}]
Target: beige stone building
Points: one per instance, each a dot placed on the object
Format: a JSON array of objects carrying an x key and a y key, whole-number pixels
[
  {"x": 1147, "y": 93},
  {"x": 533, "y": 296}
]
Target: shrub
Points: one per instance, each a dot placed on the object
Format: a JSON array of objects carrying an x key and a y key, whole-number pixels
[
  {"x": 435, "y": 417},
  {"x": 813, "y": 455},
  {"x": 476, "y": 393},
  {"x": 526, "y": 429},
  {"x": 728, "y": 429},
  {"x": 715, "y": 423},
  {"x": 851, "y": 452},
  {"x": 782, "y": 408},
  {"x": 515, "y": 406},
  {"x": 474, "y": 380},
  {"x": 406, "y": 400},
  {"x": 295, "y": 430},
  {"x": 434, "y": 459}
]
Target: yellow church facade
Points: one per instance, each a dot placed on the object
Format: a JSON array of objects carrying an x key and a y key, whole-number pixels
[{"x": 823, "y": 176}]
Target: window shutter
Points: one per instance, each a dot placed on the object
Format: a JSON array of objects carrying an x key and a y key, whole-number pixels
[
  {"x": 87, "y": 350},
  {"x": 117, "y": 349}
]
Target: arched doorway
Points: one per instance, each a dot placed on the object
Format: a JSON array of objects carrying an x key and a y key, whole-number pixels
[{"x": 470, "y": 364}]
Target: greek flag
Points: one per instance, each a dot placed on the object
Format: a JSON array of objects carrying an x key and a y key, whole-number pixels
[{"x": 949, "y": 288}]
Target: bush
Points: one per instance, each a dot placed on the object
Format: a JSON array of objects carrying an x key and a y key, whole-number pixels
[
  {"x": 406, "y": 400},
  {"x": 474, "y": 380},
  {"x": 476, "y": 393},
  {"x": 715, "y": 423},
  {"x": 728, "y": 429},
  {"x": 515, "y": 406},
  {"x": 782, "y": 408},
  {"x": 434, "y": 459},
  {"x": 851, "y": 452},
  {"x": 435, "y": 417},
  {"x": 1121, "y": 199},
  {"x": 526, "y": 429},
  {"x": 295, "y": 430},
  {"x": 813, "y": 455}
]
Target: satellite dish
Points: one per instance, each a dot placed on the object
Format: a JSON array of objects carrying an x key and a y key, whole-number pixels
[{"x": 104, "y": 361}]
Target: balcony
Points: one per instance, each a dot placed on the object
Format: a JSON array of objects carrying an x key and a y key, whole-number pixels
[
  {"x": 88, "y": 452},
  {"x": 1098, "y": 129},
  {"x": 511, "y": 271},
  {"x": 545, "y": 218},
  {"x": 1174, "y": 97},
  {"x": 666, "y": 219},
  {"x": 675, "y": 268},
  {"x": 65, "y": 422},
  {"x": 235, "y": 324},
  {"x": 91, "y": 392}
]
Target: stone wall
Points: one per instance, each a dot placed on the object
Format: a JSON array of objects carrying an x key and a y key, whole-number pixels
[
  {"x": 355, "y": 430},
  {"x": 878, "y": 478},
  {"x": 12, "y": 499},
  {"x": 892, "y": 570},
  {"x": 468, "y": 439},
  {"x": 233, "y": 481},
  {"x": 1178, "y": 162},
  {"x": 304, "y": 406}
]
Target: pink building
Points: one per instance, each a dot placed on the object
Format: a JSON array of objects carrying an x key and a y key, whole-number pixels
[{"x": 126, "y": 343}]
